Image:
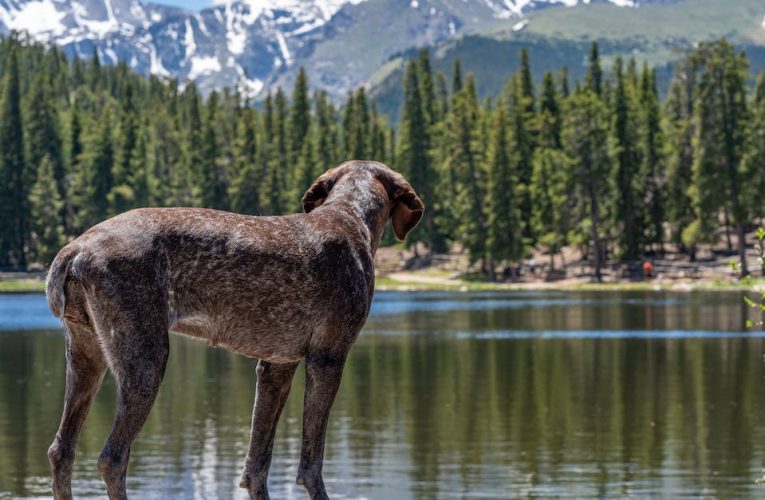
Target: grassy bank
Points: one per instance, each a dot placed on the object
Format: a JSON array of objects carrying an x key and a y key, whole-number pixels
[
  {"x": 22, "y": 285},
  {"x": 416, "y": 282}
]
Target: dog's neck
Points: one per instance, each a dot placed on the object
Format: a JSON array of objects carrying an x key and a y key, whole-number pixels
[{"x": 366, "y": 198}]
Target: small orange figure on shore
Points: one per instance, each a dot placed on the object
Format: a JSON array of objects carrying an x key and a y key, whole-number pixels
[{"x": 647, "y": 270}]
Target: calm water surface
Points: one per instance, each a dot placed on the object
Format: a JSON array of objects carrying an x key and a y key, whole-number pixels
[{"x": 444, "y": 395}]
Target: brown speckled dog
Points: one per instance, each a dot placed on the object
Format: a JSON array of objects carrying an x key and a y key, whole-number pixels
[{"x": 279, "y": 289}]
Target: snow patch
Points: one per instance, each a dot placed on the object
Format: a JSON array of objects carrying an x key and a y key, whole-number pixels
[
  {"x": 203, "y": 65},
  {"x": 283, "y": 47},
  {"x": 520, "y": 25},
  {"x": 326, "y": 8},
  {"x": 250, "y": 88},
  {"x": 109, "y": 52},
  {"x": 506, "y": 9},
  {"x": 95, "y": 27},
  {"x": 202, "y": 25},
  {"x": 236, "y": 36},
  {"x": 40, "y": 19},
  {"x": 188, "y": 39},
  {"x": 155, "y": 64}
]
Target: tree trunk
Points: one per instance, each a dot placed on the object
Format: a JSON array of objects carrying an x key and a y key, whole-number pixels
[
  {"x": 492, "y": 274},
  {"x": 594, "y": 221},
  {"x": 597, "y": 258},
  {"x": 727, "y": 231},
  {"x": 741, "y": 235}
]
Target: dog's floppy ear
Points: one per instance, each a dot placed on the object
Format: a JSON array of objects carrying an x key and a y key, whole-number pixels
[
  {"x": 319, "y": 190},
  {"x": 407, "y": 209}
]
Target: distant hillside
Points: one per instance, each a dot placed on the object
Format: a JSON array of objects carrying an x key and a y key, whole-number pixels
[{"x": 657, "y": 34}]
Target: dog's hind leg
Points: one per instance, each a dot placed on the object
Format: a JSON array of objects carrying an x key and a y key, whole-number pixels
[
  {"x": 139, "y": 373},
  {"x": 135, "y": 338},
  {"x": 323, "y": 371},
  {"x": 274, "y": 381},
  {"x": 85, "y": 368}
]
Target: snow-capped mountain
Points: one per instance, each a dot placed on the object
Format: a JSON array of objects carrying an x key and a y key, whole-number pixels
[{"x": 254, "y": 43}]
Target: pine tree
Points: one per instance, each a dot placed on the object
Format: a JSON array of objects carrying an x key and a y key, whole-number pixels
[
  {"x": 306, "y": 170},
  {"x": 41, "y": 134},
  {"x": 585, "y": 139},
  {"x": 187, "y": 176},
  {"x": 326, "y": 140},
  {"x": 349, "y": 120},
  {"x": 550, "y": 199},
  {"x": 753, "y": 161},
  {"x": 96, "y": 176},
  {"x": 679, "y": 130},
  {"x": 377, "y": 136},
  {"x": 456, "y": 77},
  {"x": 524, "y": 140},
  {"x": 414, "y": 151},
  {"x": 549, "y": 181},
  {"x": 73, "y": 167},
  {"x": 549, "y": 118},
  {"x": 442, "y": 97},
  {"x": 164, "y": 151},
  {"x": 721, "y": 115},
  {"x": 759, "y": 89},
  {"x": 360, "y": 126},
  {"x": 281, "y": 149},
  {"x": 626, "y": 167},
  {"x": 245, "y": 189},
  {"x": 45, "y": 206},
  {"x": 594, "y": 77},
  {"x": 127, "y": 136},
  {"x": 563, "y": 83},
  {"x": 300, "y": 116},
  {"x": 467, "y": 178},
  {"x": 213, "y": 185},
  {"x": 652, "y": 160},
  {"x": 271, "y": 198},
  {"x": 94, "y": 70},
  {"x": 505, "y": 241},
  {"x": 43, "y": 138},
  {"x": 276, "y": 185},
  {"x": 13, "y": 175},
  {"x": 427, "y": 87},
  {"x": 75, "y": 137},
  {"x": 525, "y": 83},
  {"x": 123, "y": 196}
]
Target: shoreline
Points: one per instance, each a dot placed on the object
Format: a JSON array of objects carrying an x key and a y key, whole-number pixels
[
  {"x": 385, "y": 283},
  {"x": 419, "y": 282}
]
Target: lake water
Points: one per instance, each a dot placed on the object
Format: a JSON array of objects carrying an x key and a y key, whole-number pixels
[{"x": 486, "y": 395}]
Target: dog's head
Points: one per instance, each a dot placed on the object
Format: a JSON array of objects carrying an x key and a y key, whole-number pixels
[{"x": 405, "y": 207}]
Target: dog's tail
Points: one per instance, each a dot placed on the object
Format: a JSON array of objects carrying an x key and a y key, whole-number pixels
[{"x": 56, "y": 281}]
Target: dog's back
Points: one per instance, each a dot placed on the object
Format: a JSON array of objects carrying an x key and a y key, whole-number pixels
[{"x": 255, "y": 285}]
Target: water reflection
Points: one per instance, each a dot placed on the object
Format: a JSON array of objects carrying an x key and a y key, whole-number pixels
[{"x": 645, "y": 394}]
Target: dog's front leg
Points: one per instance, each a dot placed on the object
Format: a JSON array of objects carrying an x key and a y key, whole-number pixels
[
  {"x": 323, "y": 371},
  {"x": 273, "y": 387}
]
